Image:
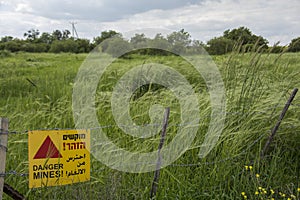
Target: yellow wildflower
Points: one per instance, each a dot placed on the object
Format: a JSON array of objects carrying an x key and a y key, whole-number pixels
[
  {"x": 283, "y": 195},
  {"x": 256, "y": 193},
  {"x": 250, "y": 167},
  {"x": 257, "y": 175},
  {"x": 264, "y": 191}
]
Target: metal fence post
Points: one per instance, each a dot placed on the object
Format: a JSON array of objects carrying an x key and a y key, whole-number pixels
[{"x": 158, "y": 164}]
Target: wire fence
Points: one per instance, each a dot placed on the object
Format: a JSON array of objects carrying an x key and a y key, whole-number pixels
[
  {"x": 236, "y": 113},
  {"x": 20, "y": 132},
  {"x": 231, "y": 158},
  {"x": 223, "y": 160}
]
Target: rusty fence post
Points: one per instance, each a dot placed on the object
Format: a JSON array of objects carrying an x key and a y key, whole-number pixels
[
  {"x": 274, "y": 130},
  {"x": 159, "y": 160}
]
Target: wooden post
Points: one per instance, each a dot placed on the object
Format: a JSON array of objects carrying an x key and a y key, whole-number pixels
[
  {"x": 285, "y": 109},
  {"x": 158, "y": 164},
  {"x": 3, "y": 148}
]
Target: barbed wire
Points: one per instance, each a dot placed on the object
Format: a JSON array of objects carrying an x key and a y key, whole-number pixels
[
  {"x": 5, "y": 132},
  {"x": 233, "y": 113},
  {"x": 191, "y": 124},
  {"x": 13, "y": 172},
  {"x": 237, "y": 113},
  {"x": 222, "y": 160}
]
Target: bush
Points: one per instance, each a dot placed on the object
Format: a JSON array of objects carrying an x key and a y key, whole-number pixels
[
  {"x": 83, "y": 45},
  {"x": 5, "y": 53},
  {"x": 13, "y": 46},
  {"x": 220, "y": 45},
  {"x": 117, "y": 46},
  {"x": 294, "y": 45},
  {"x": 276, "y": 49},
  {"x": 35, "y": 47},
  {"x": 64, "y": 46}
]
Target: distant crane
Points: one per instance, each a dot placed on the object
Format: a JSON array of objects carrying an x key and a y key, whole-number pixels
[{"x": 74, "y": 29}]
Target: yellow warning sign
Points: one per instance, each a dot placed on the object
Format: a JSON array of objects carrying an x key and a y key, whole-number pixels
[{"x": 58, "y": 157}]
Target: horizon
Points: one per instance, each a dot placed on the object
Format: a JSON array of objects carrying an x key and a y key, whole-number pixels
[
  {"x": 204, "y": 19},
  {"x": 149, "y": 35}
]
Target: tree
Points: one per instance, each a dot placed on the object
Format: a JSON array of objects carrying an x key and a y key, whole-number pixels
[
  {"x": 35, "y": 47},
  {"x": 179, "y": 40},
  {"x": 117, "y": 46},
  {"x": 294, "y": 46},
  {"x": 159, "y": 45},
  {"x": 220, "y": 45},
  {"x": 69, "y": 45},
  {"x": 14, "y": 45},
  {"x": 105, "y": 35},
  {"x": 32, "y": 34},
  {"x": 160, "y": 41},
  {"x": 260, "y": 41},
  {"x": 197, "y": 47},
  {"x": 46, "y": 38},
  {"x": 65, "y": 34},
  {"x": 57, "y": 35},
  {"x": 139, "y": 41},
  {"x": 244, "y": 36},
  {"x": 276, "y": 48},
  {"x": 6, "y": 39},
  {"x": 83, "y": 45},
  {"x": 181, "y": 37}
]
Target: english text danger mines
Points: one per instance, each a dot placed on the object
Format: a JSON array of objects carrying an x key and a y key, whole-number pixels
[{"x": 47, "y": 171}]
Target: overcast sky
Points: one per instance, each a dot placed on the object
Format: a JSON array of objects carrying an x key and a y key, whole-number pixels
[{"x": 276, "y": 20}]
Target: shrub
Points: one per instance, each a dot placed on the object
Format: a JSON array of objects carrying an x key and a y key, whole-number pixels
[
  {"x": 220, "y": 45},
  {"x": 5, "y": 53}
]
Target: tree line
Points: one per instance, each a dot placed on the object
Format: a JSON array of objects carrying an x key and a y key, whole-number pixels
[{"x": 179, "y": 42}]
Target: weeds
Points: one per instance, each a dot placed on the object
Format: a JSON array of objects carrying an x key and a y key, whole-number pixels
[{"x": 256, "y": 90}]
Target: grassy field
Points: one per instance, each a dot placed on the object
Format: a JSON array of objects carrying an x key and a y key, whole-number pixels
[{"x": 36, "y": 93}]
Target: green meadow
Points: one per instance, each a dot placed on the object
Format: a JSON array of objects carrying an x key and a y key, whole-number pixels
[{"x": 36, "y": 93}]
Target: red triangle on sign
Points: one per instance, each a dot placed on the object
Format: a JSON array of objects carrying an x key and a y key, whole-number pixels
[{"x": 47, "y": 150}]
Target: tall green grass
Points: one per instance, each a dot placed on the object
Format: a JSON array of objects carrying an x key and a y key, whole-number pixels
[{"x": 36, "y": 93}]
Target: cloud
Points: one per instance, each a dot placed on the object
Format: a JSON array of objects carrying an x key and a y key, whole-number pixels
[
  {"x": 102, "y": 10},
  {"x": 24, "y": 8},
  {"x": 275, "y": 20}
]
